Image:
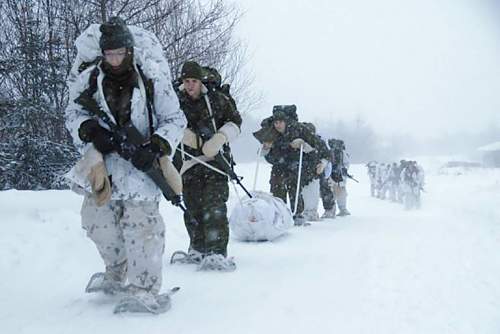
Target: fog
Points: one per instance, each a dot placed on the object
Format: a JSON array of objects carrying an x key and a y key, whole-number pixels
[{"x": 421, "y": 76}]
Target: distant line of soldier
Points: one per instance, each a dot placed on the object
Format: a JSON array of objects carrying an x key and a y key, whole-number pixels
[{"x": 401, "y": 182}]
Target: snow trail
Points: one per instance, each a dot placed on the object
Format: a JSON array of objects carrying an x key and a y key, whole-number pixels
[{"x": 381, "y": 270}]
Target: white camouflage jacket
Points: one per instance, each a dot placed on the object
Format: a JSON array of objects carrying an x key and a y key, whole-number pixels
[{"x": 169, "y": 121}]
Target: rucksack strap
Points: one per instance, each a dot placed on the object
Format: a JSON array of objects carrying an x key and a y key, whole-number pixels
[
  {"x": 148, "y": 83},
  {"x": 150, "y": 105}
]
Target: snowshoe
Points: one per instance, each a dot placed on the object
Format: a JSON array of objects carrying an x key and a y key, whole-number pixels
[
  {"x": 192, "y": 257},
  {"x": 217, "y": 262},
  {"x": 300, "y": 221},
  {"x": 311, "y": 216},
  {"x": 328, "y": 214},
  {"x": 146, "y": 302},
  {"x": 343, "y": 212},
  {"x": 101, "y": 282}
]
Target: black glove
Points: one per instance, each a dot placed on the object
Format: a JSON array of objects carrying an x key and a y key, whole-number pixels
[
  {"x": 87, "y": 130},
  {"x": 91, "y": 131},
  {"x": 143, "y": 158},
  {"x": 337, "y": 177},
  {"x": 160, "y": 145},
  {"x": 344, "y": 171}
]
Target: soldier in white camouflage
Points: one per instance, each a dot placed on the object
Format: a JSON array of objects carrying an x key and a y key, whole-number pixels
[
  {"x": 120, "y": 211},
  {"x": 314, "y": 167},
  {"x": 339, "y": 160}
]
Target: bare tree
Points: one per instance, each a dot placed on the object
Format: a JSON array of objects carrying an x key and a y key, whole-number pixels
[{"x": 37, "y": 50}]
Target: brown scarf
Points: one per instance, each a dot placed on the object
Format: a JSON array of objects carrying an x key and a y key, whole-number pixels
[{"x": 118, "y": 85}]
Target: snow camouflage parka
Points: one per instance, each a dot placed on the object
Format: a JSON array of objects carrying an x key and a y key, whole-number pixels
[{"x": 128, "y": 183}]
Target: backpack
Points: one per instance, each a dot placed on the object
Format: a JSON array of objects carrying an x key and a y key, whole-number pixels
[
  {"x": 290, "y": 110},
  {"x": 336, "y": 144},
  {"x": 150, "y": 60},
  {"x": 211, "y": 79}
]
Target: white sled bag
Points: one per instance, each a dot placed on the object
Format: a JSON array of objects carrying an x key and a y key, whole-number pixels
[{"x": 261, "y": 218}]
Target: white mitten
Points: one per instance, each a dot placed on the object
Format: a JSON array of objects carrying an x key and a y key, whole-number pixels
[
  {"x": 171, "y": 174},
  {"x": 99, "y": 182},
  {"x": 213, "y": 145},
  {"x": 190, "y": 138},
  {"x": 320, "y": 168},
  {"x": 308, "y": 148},
  {"x": 297, "y": 143}
]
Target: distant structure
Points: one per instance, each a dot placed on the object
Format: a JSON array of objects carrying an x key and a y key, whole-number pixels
[{"x": 491, "y": 154}]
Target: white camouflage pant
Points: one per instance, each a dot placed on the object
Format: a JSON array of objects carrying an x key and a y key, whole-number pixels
[
  {"x": 340, "y": 192},
  {"x": 310, "y": 194},
  {"x": 128, "y": 233}
]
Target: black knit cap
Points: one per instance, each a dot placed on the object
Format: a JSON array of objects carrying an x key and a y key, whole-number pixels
[
  {"x": 191, "y": 70},
  {"x": 115, "y": 35}
]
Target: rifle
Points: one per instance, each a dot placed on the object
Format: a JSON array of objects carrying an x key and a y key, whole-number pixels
[
  {"x": 229, "y": 170},
  {"x": 339, "y": 171},
  {"x": 221, "y": 160},
  {"x": 129, "y": 140},
  {"x": 415, "y": 184},
  {"x": 351, "y": 177}
]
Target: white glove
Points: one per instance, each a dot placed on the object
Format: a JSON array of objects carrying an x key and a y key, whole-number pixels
[
  {"x": 190, "y": 138},
  {"x": 214, "y": 145},
  {"x": 171, "y": 174},
  {"x": 231, "y": 131},
  {"x": 297, "y": 143},
  {"x": 99, "y": 182},
  {"x": 308, "y": 148},
  {"x": 320, "y": 168}
]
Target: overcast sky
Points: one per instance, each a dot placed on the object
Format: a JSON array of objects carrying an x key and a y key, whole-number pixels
[{"x": 422, "y": 67}]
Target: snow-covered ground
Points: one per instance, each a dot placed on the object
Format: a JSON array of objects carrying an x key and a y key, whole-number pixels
[{"x": 381, "y": 270}]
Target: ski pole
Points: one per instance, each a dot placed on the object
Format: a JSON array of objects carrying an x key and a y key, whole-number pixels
[
  {"x": 215, "y": 169},
  {"x": 256, "y": 169},
  {"x": 229, "y": 173},
  {"x": 237, "y": 193},
  {"x": 298, "y": 180}
]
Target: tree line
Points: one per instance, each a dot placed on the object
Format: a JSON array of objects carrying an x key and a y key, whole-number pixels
[{"x": 36, "y": 53}]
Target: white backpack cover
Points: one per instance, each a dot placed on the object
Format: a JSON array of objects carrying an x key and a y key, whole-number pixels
[
  {"x": 261, "y": 218},
  {"x": 168, "y": 120}
]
